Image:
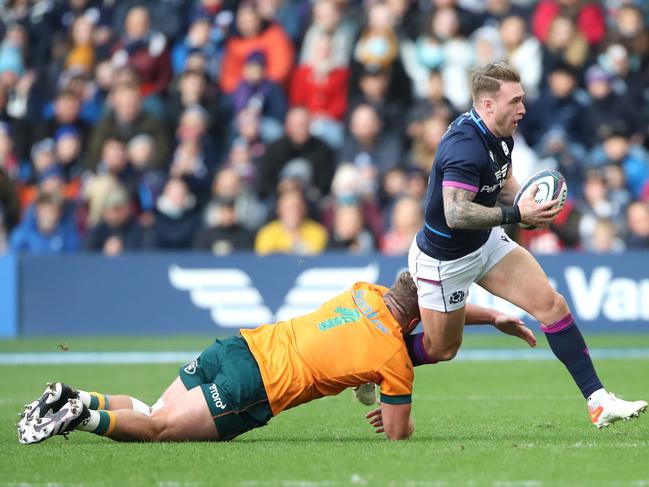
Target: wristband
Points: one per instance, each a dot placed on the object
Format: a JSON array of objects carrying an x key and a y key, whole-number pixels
[{"x": 510, "y": 214}]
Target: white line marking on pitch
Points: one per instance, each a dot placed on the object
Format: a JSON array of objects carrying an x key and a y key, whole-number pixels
[{"x": 502, "y": 355}]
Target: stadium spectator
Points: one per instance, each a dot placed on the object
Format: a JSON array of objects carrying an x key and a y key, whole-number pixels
[
  {"x": 557, "y": 107},
  {"x": 291, "y": 15},
  {"x": 114, "y": 162},
  {"x": 424, "y": 145},
  {"x": 608, "y": 112},
  {"x": 523, "y": 52},
  {"x": 222, "y": 233},
  {"x": 557, "y": 150},
  {"x": 67, "y": 148},
  {"x": 195, "y": 157},
  {"x": 432, "y": 103},
  {"x": 605, "y": 238},
  {"x": 145, "y": 50},
  {"x": 374, "y": 84},
  {"x": 407, "y": 219},
  {"x": 296, "y": 143},
  {"x": 247, "y": 129},
  {"x": 321, "y": 86},
  {"x": 205, "y": 38},
  {"x": 193, "y": 89},
  {"x": 118, "y": 231},
  {"x": 140, "y": 152},
  {"x": 256, "y": 92},
  {"x": 625, "y": 78},
  {"x": 292, "y": 232},
  {"x": 596, "y": 205},
  {"x": 628, "y": 26},
  {"x": 637, "y": 235},
  {"x": 349, "y": 232},
  {"x": 587, "y": 15},
  {"x": 42, "y": 158},
  {"x": 124, "y": 121},
  {"x": 367, "y": 144},
  {"x": 229, "y": 185},
  {"x": 254, "y": 34},
  {"x": 47, "y": 233},
  {"x": 176, "y": 218},
  {"x": 618, "y": 149},
  {"x": 81, "y": 54},
  {"x": 353, "y": 185},
  {"x": 442, "y": 46},
  {"x": 564, "y": 45},
  {"x": 66, "y": 112},
  {"x": 328, "y": 20}
]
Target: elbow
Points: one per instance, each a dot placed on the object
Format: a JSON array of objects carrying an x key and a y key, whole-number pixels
[{"x": 452, "y": 220}]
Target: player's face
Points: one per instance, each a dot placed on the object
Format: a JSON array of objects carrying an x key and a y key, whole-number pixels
[{"x": 508, "y": 108}]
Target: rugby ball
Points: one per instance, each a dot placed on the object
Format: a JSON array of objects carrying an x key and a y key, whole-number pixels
[{"x": 551, "y": 185}]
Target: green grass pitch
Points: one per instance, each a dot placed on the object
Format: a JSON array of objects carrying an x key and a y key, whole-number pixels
[{"x": 516, "y": 423}]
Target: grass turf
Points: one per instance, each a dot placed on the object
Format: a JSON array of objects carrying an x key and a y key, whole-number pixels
[{"x": 478, "y": 423}]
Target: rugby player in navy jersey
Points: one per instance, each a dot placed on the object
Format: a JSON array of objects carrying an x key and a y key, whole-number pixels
[{"x": 462, "y": 241}]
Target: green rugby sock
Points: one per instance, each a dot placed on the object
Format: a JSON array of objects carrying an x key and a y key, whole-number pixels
[
  {"x": 99, "y": 422},
  {"x": 94, "y": 400}
]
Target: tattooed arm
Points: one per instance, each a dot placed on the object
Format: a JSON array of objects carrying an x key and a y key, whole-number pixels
[{"x": 461, "y": 212}]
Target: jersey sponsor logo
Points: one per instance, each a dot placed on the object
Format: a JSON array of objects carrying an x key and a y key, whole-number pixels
[
  {"x": 191, "y": 367},
  {"x": 346, "y": 316},
  {"x": 366, "y": 309},
  {"x": 505, "y": 148},
  {"x": 216, "y": 397},
  {"x": 234, "y": 301},
  {"x": 456, "y": 297}
]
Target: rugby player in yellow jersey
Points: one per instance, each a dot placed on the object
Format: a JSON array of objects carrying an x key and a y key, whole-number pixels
[{"x": 240, "y": 383}]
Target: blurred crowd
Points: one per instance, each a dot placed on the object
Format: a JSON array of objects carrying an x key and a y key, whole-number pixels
[{"x": 302, "y": 126}]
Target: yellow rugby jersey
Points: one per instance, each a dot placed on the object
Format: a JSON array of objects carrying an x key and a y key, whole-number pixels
[{"x": 350, "y": 340}]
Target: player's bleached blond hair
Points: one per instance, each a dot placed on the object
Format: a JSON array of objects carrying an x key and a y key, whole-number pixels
[{"x": 487, "y": 79}]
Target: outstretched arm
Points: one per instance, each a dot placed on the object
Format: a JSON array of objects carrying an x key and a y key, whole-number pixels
[{"x": 510, "y": 325}]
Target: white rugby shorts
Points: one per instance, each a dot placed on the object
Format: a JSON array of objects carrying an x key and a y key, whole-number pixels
[{"x": 443, "y": 285}]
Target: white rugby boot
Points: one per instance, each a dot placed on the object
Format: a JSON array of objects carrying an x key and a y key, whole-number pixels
[
  {"x": 611, "y": 409},
  {"x": 55, "y": 395},
  {"x": 61, "y": 422},
  {"x": 365, "y": 394}
]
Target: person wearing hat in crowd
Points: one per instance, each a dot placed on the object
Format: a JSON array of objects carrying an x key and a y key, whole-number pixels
[
  {"x": 252, "y": 33},
  {"x": 607, "y": 109},
  {"x": 257, "y": 92},
  {"x": 47, "y": 233},
  {"x": 67, "y": 148},
  {"x": 118, "y": 231}
]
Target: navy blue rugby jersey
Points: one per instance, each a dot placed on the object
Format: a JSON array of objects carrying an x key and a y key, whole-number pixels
[{"x": 470, "y": 157}]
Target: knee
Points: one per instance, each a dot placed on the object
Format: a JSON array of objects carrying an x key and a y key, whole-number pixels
[
  {"x": 162, "y": 429},
  {"x": 442, "y": 352},
  {"x": 552, "y": 308}
]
